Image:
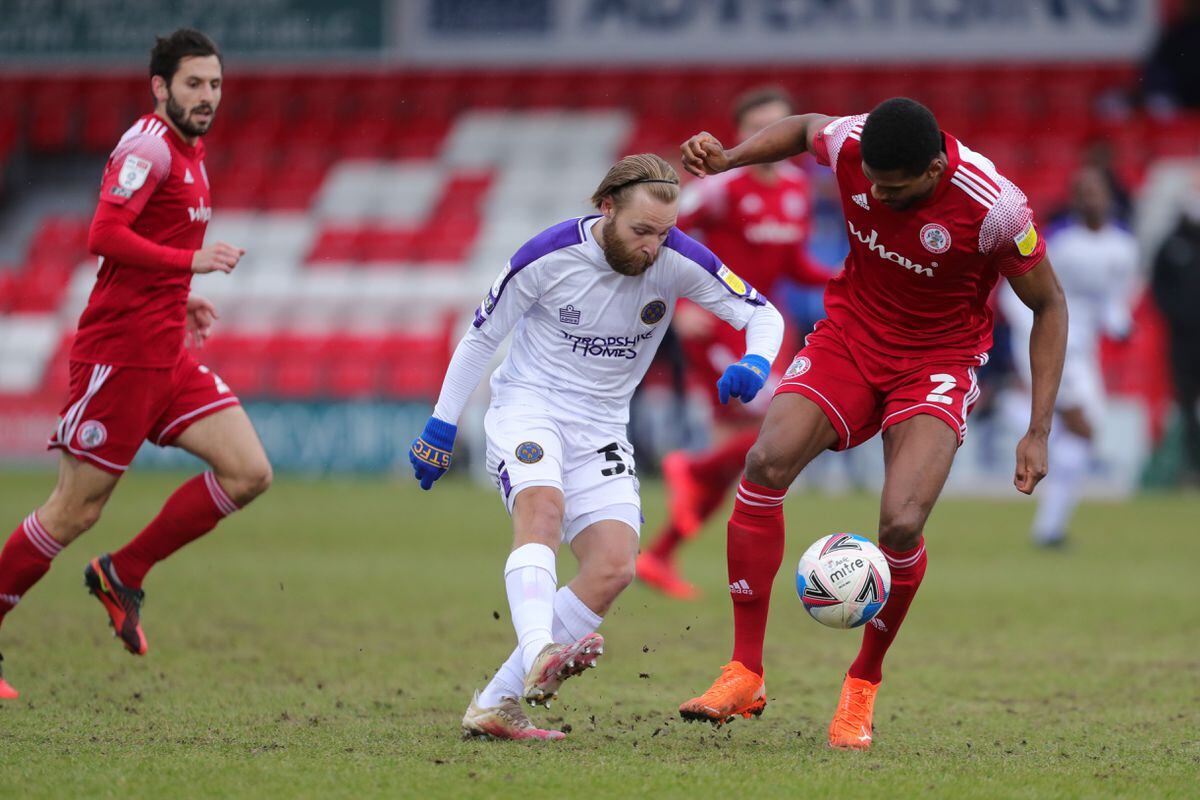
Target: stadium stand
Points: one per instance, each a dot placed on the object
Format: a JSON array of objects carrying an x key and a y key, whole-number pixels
[{"x": 375, "y": 205}]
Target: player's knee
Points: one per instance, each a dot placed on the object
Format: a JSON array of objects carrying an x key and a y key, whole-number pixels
[
  {"x": 615, "y": 573},
  {"x": 901, "y": 529},
  {"x": 66, "y": 523},
  {"x": 248, "y": 482},
  {"x": 766, "y": 469}
]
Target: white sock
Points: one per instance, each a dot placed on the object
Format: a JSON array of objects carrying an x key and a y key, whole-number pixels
[
  {"x": 1069, "y": 459},
  {"x": 529, "y": 577},
  {"x": 572, "y": 621}
]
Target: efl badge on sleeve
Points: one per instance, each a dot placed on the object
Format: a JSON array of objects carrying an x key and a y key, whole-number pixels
[
  {"x": 133, "y": 173},
  {"x": 935, "y": 238},
  {"x": 732, "y": 282},
  {"x": 653, "y": 312},
  {"x": 1027, "y": 239}
]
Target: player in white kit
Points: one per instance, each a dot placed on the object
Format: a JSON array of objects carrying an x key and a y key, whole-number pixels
[
  {"x": 588, "y": 301},
  {"x": 1097, "y": 263}
]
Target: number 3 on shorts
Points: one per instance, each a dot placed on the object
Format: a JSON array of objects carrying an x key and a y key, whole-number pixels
[
  {"x": 612, "y": 456},
  {"x": 944, "y": 384}
]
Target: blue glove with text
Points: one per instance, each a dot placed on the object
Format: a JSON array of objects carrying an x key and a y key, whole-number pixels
[
  {"x": 430, "y": 452},
  {"x": 743, "y": 379}
]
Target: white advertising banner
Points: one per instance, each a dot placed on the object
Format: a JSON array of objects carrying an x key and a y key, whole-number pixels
[{"x": 615, "y": 32}]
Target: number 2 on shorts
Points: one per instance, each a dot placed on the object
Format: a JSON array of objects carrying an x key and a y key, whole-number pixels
[{"x": 944, "y": 384}]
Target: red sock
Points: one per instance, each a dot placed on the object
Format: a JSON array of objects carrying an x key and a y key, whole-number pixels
[
  {"x": 192, "y": 511},
  {"x": 908, "y": 568},
  {"x": 24, "y": 560},
  {"x": 722, "y": 465},
  {"x": 754, "y": 549}
]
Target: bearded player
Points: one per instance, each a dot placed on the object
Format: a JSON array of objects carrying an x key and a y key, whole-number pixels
[
  {"x": 932, "y": 225},
  {"x": 759, "y": 219},
  {"x": 132, "y": 380},
  {"x": 587, "y": 302}
]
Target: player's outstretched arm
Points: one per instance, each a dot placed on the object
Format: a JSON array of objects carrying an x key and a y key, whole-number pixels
[
  {"x": 510, "y": 297},
  {"x": 745, "y": 378},
  {"x": 1039, "y": 289},
  {"x": 704, "y": 155}
]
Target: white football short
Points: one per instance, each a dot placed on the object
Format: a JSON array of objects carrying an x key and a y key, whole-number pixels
[
  {"x": 1082, "y": 383},
  {"x": 592, "y": 464},
  {"x": 1082, "y": 387}
]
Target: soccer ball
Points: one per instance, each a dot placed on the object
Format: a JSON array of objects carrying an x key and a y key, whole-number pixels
[{"x": 843, "y": 580}]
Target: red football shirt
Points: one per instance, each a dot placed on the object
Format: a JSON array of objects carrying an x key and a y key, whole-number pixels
[
  {"x": 759, "y": 228},
  {"x": 918, "y": 280},
  {"x": 136, "y": 315}
]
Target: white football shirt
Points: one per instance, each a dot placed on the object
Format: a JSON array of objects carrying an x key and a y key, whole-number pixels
[
  {"x": 1097, "y": 270},
  {"x": 583, "y": 334}
]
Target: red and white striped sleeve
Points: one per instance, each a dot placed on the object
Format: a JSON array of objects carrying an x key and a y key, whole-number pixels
[
  {"x": 1008, "y": 231},
  {"x": 827, "y": 144}
]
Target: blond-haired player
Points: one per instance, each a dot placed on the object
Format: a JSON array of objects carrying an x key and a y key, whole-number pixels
[{"x": 587, "y": 301}]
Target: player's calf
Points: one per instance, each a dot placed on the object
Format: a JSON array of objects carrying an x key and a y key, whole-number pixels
[{"x": 246, "y": 483}]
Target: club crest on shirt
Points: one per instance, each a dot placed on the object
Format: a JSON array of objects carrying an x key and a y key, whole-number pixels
[
  {"x": 530, "y": 452},
  {"x": 133, "y": 173},
  {"x": 653, "y": 312},
  {"x": 92, "y": 433},
  {"x": 935, "y": 238},
  {"x": 799, "y": 366}
]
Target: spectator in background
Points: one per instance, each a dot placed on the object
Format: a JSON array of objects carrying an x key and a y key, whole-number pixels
[
  {"x": 1098, "y": 155},
  {"x": 1176, "y": 285},
  {"x": 1172, "y": 73},
  {"x": 1097, "y": 262}
]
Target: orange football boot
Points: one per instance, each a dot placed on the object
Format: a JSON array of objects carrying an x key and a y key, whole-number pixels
[
  {"x": 124, "y": 605},
  {"x": 661, "y": 574},
  {"x": 853, "y": 722},
  {"x": 736, "y": 691},
  {"x": 685, "y": 493},
  {"x": 7, "y": 692}
]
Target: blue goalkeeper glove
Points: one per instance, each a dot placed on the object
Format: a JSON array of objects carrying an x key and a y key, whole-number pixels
[
  {"x": 430, "y": 452},
  {"x": 743, "y": 379}
]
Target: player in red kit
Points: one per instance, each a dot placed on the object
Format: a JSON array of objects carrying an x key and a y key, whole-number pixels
[
  {"x": 759, "y": 219},
  {"x": 132, "y": 380},
  {"x": 932, "y": 226}
]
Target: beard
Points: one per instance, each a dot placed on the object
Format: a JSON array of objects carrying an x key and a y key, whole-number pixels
[
  {"x": 183, "y": 117},
  {"x": 621, "y": 258}
]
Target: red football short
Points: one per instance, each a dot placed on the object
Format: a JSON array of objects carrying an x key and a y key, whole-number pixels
[
  {"x": 863, "y": 392},
  {"x": 111, "y": 410}
]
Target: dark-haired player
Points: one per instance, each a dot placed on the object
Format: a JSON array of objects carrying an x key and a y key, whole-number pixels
[
  {"x": 132, "y": 380},
  {"x": 758, "y": 219},
  {"x": 932, "y": 225}
]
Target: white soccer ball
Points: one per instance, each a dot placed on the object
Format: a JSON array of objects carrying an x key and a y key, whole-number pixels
[{"x": 843, "y": 580}]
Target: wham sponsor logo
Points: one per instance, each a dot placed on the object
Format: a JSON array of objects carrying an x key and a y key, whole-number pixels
[
  {"x": 872, "y": 243},
  {"x": 201, "y": 214},
  {"x": 606, "y": 346}
]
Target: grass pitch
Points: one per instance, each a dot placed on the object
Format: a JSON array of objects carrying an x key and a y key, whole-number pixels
[{"x": 324, "y": 643}]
